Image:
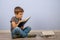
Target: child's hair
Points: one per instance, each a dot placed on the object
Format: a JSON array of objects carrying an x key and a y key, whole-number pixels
[{"x": 18, "y": 9}]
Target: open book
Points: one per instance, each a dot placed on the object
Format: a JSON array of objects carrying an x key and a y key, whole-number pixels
[{"x": 22, "y": 22}]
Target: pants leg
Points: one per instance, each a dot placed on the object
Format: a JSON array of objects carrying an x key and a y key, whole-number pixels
[
  {"x": 27, "y": 30},
  {"x": 18, "y": 31}
]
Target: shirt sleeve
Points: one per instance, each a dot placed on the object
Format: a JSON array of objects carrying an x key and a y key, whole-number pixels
[{"x": 12, "y": 20}]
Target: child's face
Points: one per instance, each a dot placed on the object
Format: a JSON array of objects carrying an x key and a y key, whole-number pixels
[{"x": 19, "y": 15}]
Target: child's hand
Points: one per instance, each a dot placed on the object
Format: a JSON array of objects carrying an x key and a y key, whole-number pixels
[{"x": 20, "y": 22}]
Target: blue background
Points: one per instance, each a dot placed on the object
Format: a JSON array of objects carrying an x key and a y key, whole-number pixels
[{"x": 45, "y": 14}]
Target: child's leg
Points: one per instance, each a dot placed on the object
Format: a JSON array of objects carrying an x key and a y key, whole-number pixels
[
  {"x": 18, "y": 31},
  {"x": 27, "y": 30}
]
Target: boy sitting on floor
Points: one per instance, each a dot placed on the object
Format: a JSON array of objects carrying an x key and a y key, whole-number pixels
[{"x": 15, "y": 20}]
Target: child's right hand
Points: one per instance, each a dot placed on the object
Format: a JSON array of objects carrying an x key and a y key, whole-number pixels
[{"x": 20, "y": 22}]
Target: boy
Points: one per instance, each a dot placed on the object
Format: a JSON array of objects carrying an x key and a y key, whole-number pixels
[{"x": 15, "y": 30}]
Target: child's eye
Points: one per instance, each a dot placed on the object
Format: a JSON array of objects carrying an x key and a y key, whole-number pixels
[{"x": 20, "y": 14}]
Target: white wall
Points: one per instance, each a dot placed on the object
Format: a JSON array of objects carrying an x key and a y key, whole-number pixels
[{"x": 45, "y": 14}]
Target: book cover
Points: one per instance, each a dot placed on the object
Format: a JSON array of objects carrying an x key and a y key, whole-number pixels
[{"x": 23, "y": 22}]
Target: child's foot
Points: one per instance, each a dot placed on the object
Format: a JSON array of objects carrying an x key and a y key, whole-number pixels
[{"x": 14, "y": 37}]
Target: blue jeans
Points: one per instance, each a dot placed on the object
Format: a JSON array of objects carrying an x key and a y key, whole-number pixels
[{"x": 21, "y": 33}]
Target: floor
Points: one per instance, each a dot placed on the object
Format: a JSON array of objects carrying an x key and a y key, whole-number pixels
[{"x": 7, "y": 36}]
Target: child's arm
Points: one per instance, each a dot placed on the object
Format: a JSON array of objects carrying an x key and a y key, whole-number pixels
[{"x": 14, "y": 24}]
